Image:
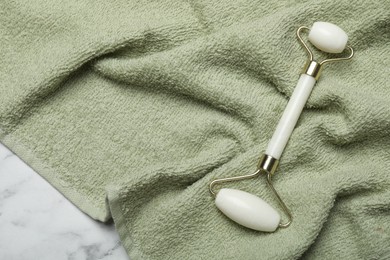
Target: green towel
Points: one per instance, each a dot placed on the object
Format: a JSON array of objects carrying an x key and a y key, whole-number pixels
[{"x": 130, "y": 109}]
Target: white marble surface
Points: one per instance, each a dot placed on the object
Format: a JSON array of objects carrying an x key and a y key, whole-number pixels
[{"x": 37, "y": 222}]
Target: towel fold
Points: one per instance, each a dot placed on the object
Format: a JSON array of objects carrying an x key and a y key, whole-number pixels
[{"x": 130, "y": 109}]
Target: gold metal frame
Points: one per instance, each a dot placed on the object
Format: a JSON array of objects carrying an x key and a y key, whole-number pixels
[
  {"x": 267, "y": 164},
  {"x": 313, "y": 68}
]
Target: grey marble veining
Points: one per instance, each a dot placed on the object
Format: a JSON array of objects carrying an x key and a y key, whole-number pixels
[{"x": 37, "y": 222}]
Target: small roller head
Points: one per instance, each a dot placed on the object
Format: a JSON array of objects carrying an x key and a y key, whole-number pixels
[{"x": 328, "y": 37}]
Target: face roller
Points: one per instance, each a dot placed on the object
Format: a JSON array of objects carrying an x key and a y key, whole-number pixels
[{"x": 247, "y": 209}]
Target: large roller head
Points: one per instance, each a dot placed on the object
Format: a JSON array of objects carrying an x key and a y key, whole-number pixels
[{"x": 328, "y": 37}]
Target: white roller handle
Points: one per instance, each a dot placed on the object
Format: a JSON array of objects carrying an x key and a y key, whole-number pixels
[{"x": 290, "y": 116}]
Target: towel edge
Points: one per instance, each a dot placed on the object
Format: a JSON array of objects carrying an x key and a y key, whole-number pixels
[{"x": 46, "y": 172}]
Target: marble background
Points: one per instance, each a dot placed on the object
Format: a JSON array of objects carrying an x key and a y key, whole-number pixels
[{"x": 37, "y": 222}]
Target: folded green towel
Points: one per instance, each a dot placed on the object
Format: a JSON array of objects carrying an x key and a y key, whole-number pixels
[{"x": 130, "y": 109}]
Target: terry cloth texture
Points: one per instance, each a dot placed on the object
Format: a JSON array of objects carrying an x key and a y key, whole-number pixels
[{"x": 130, "y": 109}]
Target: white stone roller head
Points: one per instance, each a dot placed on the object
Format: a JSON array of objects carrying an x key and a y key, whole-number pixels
[
  {"x": 328, "y": 37},
  {"x": 247, "y": 209}
]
